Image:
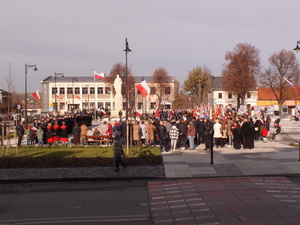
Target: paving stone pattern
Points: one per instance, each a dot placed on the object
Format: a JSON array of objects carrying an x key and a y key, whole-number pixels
[{"x": 272, "y": 200}]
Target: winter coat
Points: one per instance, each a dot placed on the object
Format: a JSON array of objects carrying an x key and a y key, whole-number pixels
[
  {"x": 174, "y": 133},
  {"x": 150, "y": 128},
  {"x": 191, "y": 132},
  {"x": 136, "y": 132},
  {"x": 162, "y": 132},
  {"x": 217, "y": 130}
]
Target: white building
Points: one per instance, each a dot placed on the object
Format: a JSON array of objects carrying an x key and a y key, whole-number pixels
[
  {"x": 85, "y": 92},
  {"x": 221, "y": 97}
]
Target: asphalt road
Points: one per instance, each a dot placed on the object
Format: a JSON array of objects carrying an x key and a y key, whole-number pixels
[{"x": 75, "y": 203}]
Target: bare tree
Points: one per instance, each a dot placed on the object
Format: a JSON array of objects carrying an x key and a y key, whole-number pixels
[
  {"x": 198, "y": 83},
  {"x": 240, "y": 71},
  {"x": 282, "y": 64},
  {"x": 161, "y": 78}
]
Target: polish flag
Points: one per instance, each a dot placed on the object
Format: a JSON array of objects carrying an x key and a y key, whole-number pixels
[
  {"x": 143, "y": 88},
  {"x": 103, "y": 112},
  {"x": 290, "y": 83},
  {"x": 98, "y": 75},
  {"x": 36, "y": 95},
  {"x": 57, "y": 96},
  {"x": 78, "y": 97},
  {"x": 138, "y": 113}
]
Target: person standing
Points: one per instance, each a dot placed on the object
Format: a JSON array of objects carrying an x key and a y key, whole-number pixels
[
  {"x": 247, "y": 134},
  {"x": 118, "y": 152},
  {"x": 120, "y": 115},
  {"x": 217, "y": 133},
  {"x": 76, "y": 134},
  {"x": 191, "y": 133},
  {"x": 162, "y": 136},
  {"x": 182, "y": 128},
  {"x": 201, "y": 128},
  {"x": 236, "y": 132},
  {"x": 83, "y": 129},
  {"x": 20, "y": 132},
  {"x": 40, "y": 136},
  {"x": 64, "y": 133},
  {"x": 150, "y": 128},
  {"x": 174, "y": 134},
  {"x": 56, "y": 133},
  {"x": 208, "y": 134}
]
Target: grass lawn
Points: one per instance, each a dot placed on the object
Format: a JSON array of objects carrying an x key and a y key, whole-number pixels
[{"x": 74, "y": 156}]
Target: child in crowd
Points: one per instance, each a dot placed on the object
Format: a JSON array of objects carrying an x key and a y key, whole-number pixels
[{"x": 264, "y": 134}]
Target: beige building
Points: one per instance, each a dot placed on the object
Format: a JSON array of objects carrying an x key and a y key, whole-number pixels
[{"x": 84, "y": 92}]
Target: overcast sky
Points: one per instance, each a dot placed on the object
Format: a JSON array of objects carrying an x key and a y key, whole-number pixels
[{"x": 75, "y": 37}]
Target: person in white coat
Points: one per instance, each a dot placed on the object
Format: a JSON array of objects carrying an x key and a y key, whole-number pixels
[{"x": 217, "y": 133}]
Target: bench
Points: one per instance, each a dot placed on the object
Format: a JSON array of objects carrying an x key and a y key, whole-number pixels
[{"x": 105, "y": 139}]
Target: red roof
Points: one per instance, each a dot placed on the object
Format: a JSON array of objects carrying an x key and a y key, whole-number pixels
[{"x": 267, "y": 94}]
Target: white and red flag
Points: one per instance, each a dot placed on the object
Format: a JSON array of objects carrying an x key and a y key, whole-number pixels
[
  {"x": 290, "y": 83},
  {"x": 138, "y": 113},
  {"x": 103, "y": 112},
  {"x": 143, "y": 88},
  {"x": 36, "y": 95},
  {"x": 98, "y": 76},
  {"x": 57, "y": 96},
  {"x": 78, "y": 97}
]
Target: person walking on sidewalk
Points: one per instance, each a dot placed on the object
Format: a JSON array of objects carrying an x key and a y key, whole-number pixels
[{"x": 118, "y": 152}]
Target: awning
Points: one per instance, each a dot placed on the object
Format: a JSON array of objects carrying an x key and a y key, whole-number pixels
[{"x": 165, "y": 103}]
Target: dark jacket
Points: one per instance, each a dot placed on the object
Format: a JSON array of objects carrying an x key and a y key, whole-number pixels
[
  {"x": 162, "y": 132},
  {"x": 182, "y": 128},
  {"x": 20, "y": 130}
]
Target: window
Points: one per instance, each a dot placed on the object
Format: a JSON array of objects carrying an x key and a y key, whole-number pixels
[
  {"x": 62, "y": 91},
  {"x": 69, "y": 91},
  {"x": 152, "y": 90},
  {"x": 248, "y": 95},
  {"x": 153, "y": 105},
  {"x": 62, "y": 106},
  {"x": 77, "y": 91},
  {"x": 107, "y": 105},
  {"x": 100, "y": 105},
  {"x": 107, "y": 90},
  {"x": 167, "y": 90},
  {"x": 84, "y": 90},
  {"x": 100, "y": 90},
  {"x": 92, "y": 90},
  {"x": 229, "y": 95},
  {"x": 54, "y": 90},
  {"x": 220, "y": 95},
  {"x": 140, "y": 105}
]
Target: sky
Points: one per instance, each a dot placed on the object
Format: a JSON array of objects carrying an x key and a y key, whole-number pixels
[{"x": 76, "y": 37}]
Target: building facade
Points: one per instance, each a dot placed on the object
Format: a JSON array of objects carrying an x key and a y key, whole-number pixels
[{"x": 63, "y": 94}]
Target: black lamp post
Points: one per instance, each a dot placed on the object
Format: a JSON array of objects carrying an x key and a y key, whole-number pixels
[
  {"x": 297, "y": 49},
  {"x": 26, "y": 69},
  {"x": 74, "y": 79},
  {"x": 55, "y": 76},
  {"x": 127, "y": 50}
]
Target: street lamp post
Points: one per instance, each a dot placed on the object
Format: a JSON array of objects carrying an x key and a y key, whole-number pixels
[
  {"x": 73, "y": 80},
  {"x": 26, "y": 69},
  {"x": 55, "y": 76},
  {"x": 127, "y": 50}
]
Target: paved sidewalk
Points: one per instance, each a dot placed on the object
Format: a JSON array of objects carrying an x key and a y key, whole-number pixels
[
  {"x": 252, "y": 200},
  {"x": 265, "y": 159}
]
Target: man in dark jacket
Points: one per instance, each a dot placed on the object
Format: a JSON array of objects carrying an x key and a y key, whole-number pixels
[
  {"x": 20, "y": 132},
  {"x": 162, "y": 136},
  {"x": 201, "y": 137},
  {"x": 182, "y": 128}
]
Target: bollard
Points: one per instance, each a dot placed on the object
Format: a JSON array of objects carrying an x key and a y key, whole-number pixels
[{"x": 212, "y": 153}]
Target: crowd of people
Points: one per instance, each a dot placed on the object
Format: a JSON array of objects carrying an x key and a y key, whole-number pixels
[{"x": 170, "y": 129}]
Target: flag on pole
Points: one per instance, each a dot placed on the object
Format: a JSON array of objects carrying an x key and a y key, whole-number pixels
[
  {"x": 143, "y": 88},
  {"x": 138, "y": 113},
  {"x": 36, "y": 95},
  {"x": 103, "y": 112},
  {"x": 57, "y": 96},
  {"x": 290, "y": 83},
  {"x": 98, "y": 75},
  {"x": 78, "y": 97}
]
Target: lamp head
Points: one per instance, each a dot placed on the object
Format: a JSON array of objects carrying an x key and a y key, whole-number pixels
[
  {"x": 127, "y": 49},
  {"x": 297, "y": 49},
  {"x": 35, "y": 69}
]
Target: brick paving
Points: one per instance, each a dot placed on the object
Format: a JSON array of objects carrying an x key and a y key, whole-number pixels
[{"x": 252, "y": 200}]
